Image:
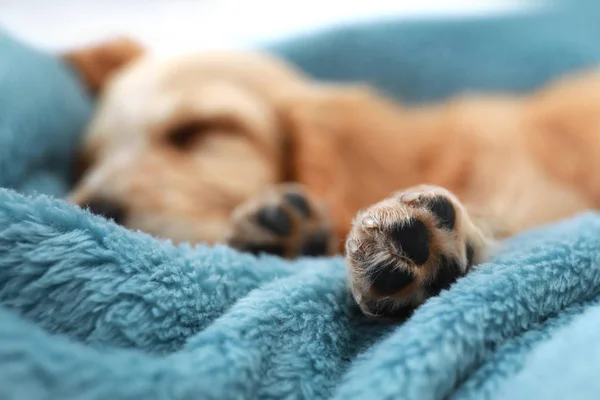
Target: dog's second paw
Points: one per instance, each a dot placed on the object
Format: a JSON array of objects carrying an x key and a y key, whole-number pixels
[
  {"x": 285, "y": 221},
  {"x": 409, "y": 247}
]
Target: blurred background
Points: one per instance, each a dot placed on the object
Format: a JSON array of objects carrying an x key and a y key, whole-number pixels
[{"x": 174, "y": 26}]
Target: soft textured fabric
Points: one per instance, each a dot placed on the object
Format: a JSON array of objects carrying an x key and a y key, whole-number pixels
[
  {"x": 419, "y": 61},
  {"x": 90, "y": 310},
  {"x": 42, "y": 113},
  {"x": 110, "y": 314}
]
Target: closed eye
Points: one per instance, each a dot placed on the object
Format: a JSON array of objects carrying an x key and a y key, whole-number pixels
[{"x": 188, "y": 135}]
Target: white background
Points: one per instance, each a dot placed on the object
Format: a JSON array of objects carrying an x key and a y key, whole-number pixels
[{"x": 174, "y": 26}]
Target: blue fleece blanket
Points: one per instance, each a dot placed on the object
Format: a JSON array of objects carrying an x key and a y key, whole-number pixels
[{"x": 90, "y": 310}]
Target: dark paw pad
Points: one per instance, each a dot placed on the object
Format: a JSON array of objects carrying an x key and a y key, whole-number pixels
[
  {"x": 283, "y": 220},
  {"x": 411, "y": 238},
  {"x": 389, "y": 311},
  {"x": 388, "y": 279},
  {"x": 447, "y": 273},
  {"x": 443, "y": 210},
  {"x": 316, "y": 245},
  {"x": 299, "y": 202},
  {"x": 275, "y": 219}
]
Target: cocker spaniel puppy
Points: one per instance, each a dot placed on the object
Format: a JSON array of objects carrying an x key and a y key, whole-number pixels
[{"x": 241, "y": 148}]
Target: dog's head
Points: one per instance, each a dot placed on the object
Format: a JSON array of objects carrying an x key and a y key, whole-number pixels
[{"x": 176, "y": 144}]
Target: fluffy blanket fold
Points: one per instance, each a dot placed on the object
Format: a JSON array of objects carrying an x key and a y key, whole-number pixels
[
  {"x": 106, "y": 313},
  {"x": 90, "y": 310}
]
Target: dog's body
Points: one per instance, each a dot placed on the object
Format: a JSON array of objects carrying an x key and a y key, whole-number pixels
[{"x": 177, "y": 145}]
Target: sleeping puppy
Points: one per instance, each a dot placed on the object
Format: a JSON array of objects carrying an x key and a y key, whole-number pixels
[{"x": 241, "y": 148}]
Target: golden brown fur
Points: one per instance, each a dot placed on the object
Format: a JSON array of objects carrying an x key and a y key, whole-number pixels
[
  {"x": 523, "y": 160},
  {"x": 516, "y": 158},
  {"x": 97, "y": 63}
]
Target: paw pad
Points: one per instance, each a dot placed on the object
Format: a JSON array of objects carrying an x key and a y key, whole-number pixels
[
  {"x": 407, "y": 248},
  {"x": 284, "y": 221},
  {"x": 443, "y": 210},
  {"x": 275, "y": 219},
  {"x": 411, "y": 239},
  {"x": 388, "y": 279},
  {"x": 299, "y": 202}
]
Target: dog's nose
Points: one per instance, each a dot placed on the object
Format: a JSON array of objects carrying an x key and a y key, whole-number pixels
[{"x": 107, "y": 209}]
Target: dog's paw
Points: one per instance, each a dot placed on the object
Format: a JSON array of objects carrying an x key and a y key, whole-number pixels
[
  {"x": 409, "y": 247},
  {"x": 285, "y": 221}
]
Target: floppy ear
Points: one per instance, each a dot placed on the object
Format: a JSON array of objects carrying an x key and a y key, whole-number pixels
[{"x": 96, "y": 63}]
